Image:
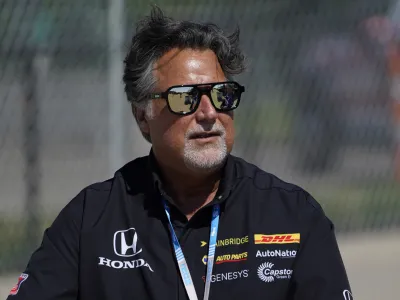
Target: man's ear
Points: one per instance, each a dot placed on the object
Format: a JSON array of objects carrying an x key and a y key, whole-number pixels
[{"x": 140, "y": 116}]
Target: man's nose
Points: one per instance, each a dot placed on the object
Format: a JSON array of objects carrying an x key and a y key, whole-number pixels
[{"x": 206, "y": 111}]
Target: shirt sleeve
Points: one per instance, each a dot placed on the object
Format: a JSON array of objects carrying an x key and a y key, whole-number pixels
[
  {"x": 319, "y": 272},
  {"x": 52, "y": 271}
]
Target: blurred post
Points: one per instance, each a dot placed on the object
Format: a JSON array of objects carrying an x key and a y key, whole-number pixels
[
  {"x": 115, "y": 90},
  {"x": 37, "y": 71},
  {"x": 37, "y": 67},
  {"x": 32, "y": 164}
]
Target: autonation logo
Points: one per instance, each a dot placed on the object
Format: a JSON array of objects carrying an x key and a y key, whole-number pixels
[{"x": 277, "y": 253}]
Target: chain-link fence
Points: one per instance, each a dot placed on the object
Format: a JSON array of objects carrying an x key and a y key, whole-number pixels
[{"x": 319, "y": 108}]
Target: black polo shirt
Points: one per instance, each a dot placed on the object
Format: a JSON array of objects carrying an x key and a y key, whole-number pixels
[{"x": 112, "y": 242}]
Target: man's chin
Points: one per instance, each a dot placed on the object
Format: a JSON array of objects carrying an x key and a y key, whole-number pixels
[{"x": 205, "y": 160}]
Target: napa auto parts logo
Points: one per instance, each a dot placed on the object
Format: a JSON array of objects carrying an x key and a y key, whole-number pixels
[
  {"x": 21, "y": 279},
  {"x": 284, "y": 238},
  {"x": 227, "y": 258}
]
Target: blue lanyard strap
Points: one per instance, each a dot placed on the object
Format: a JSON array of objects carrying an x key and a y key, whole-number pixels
[{"x": 180, "y": 258}]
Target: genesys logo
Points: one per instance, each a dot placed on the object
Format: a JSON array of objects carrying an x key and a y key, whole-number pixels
[
  {"x": 125, "y": 244},
  {"x": 267, "y": 273},
  {"x": 277, "y": 253},
  {"x": 227, "y": 258},
  {"x": 228, "y": 276},
  {"x": 229, "y": 241},
  {"x": 285, "y": 238}
]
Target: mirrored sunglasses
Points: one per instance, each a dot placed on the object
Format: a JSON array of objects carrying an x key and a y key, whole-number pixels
[{"x": 185, "y": 99}]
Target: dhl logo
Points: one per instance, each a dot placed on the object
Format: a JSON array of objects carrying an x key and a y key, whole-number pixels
[{"x": 288, "y": 238}]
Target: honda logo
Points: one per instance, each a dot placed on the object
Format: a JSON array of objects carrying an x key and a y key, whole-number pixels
[{"x": 125, "y": 243}]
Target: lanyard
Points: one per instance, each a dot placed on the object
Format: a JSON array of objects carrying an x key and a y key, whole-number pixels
[{"x": 180, "y": 258}]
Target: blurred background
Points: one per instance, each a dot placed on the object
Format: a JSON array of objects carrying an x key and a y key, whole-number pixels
[{"x": 321, "y": 110}]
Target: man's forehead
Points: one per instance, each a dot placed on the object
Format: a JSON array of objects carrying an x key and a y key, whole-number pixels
[{"x": 187, "y": 66}]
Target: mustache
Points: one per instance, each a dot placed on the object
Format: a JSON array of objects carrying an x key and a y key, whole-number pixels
[{"x": 215, "y": 129}]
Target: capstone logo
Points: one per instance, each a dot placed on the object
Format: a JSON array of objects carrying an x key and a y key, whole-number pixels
[
  {"x": 267, "y": 274},
  {"x": 277, "y": 253}
]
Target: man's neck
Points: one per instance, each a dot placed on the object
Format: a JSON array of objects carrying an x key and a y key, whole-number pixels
[{"x": 190, "y": 190}]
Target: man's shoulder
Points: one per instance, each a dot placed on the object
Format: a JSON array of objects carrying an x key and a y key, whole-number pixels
[
  {"x": 262, "y": 180},
  {"x": 90, "y": 202},
  {"x": 132, "y": 171}
]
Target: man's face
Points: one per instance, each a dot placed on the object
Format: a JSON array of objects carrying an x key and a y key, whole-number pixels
[{"x": 200, "y": 140}]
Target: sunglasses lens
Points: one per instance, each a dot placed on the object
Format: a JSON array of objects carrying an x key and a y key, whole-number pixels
[
  {"x": 182, "y": 100},
  {"x": 225, "y": 96}
]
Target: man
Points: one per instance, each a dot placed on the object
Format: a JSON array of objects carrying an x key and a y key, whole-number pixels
[{"x": 189, "y": 221}]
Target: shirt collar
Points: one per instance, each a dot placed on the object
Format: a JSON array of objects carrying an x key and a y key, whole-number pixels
[{"x": 225, "y": 185}]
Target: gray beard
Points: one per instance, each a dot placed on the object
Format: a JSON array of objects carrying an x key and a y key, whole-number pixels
[{"x": 205, "y": 158}]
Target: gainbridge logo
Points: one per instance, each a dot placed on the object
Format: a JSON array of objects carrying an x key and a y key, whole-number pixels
[{"x": 284, "y": 238}]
